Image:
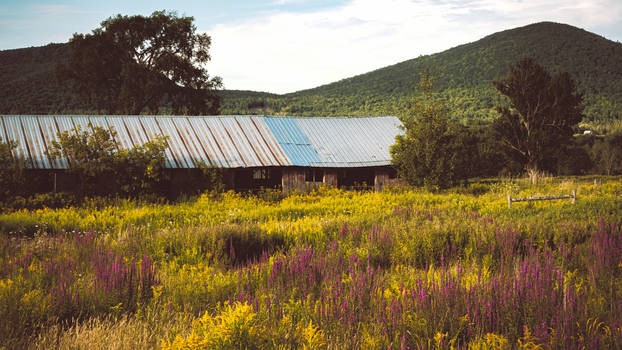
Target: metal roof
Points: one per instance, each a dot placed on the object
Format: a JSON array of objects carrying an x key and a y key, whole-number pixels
[
  {"x": 351, "y": 142},
  {"x": 222, "y": 141},
  {"x": 295, "y": 144}
]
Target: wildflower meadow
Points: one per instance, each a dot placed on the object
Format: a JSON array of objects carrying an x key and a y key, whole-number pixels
[{"x": 329, "y": 269}]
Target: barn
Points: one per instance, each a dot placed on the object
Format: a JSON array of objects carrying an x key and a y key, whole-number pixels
[{"x": 253, "y": 151}]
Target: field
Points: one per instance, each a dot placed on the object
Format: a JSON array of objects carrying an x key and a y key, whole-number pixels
[{"x": 401, "y": 269}]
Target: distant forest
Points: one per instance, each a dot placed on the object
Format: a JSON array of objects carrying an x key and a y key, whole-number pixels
[{"x": 463, "y": 79}]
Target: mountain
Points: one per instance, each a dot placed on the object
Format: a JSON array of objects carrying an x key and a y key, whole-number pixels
[
  {"x": 463, "y": 77},
  {"x": 27, "y": 83},
  {"x": 464, "y": 73}
]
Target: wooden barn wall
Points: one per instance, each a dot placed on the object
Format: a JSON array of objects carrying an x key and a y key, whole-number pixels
[{"x": 293, "y": 179}]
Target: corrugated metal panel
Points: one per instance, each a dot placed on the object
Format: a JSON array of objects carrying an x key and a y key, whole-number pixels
[
  {"x": 240, "y": 142},
  {"x": 270, "y": 140},
  {"x": 181, "y": 154},
  {"x": 82, "y": 122},
  {"x": 229, "y": 141},
  {"x": 224, "y": 142},
  {"x": 258, "y": 145},
  {"x": 3, "y": 136},
  {"x": 64, "y": 123},
  {"x": 135, "y": 130},
  {"x": 205, "y": 140},
  {"x": 296, "y": 145},
  {"x": 116, "y": 123},
  {"x": 152, "y": 129},
  {"x": 98, "y": 121},
  {"x": 351, "y": 142},
  {"x": 13, "y": 128},
  {"x": 190, "y": 141},
  {"x": 34, "y": 137},
  {"x": 49, "y": 130}
]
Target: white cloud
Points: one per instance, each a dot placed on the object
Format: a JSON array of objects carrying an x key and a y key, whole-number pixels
[{"x": 288, "y": 51}]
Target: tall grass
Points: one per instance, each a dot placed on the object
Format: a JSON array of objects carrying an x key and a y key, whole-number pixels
[{"x": 329, "y": 269}]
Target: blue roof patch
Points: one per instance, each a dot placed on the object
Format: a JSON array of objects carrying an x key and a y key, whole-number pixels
[{"x": 293, "y": 141}]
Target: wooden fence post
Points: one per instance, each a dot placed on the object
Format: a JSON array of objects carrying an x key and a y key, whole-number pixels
[
  {"x": 509, "y": 201},
  {"x": 574, "y": 196}
]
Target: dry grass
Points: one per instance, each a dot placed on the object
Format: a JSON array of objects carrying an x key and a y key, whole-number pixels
[
  {"x": 123, "y": 332},
  {"x": 538, "y": 177}
]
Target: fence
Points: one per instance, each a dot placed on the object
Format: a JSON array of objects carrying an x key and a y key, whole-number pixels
[{"x": 572, "y": 196}]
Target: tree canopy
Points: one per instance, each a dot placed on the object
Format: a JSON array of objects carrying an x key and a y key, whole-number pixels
[
  {"x": 130, "y": 64},
  {"x": 425, "y": 155},
  {"x": 542, "y": 114}
]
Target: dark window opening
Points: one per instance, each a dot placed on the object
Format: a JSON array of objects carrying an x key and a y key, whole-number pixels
[
  {"x": 313, "y": 175},
  {"x": 261, "y": 174},
  {"x": 357, "y": 178},
  {"x": 392, "y": 173}
]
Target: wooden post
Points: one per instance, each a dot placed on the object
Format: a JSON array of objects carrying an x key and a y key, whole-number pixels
[
  {"x": 54, "y": 182},
  {"x": 574, "y": 196},
  {"x": 509, "y": 201}
]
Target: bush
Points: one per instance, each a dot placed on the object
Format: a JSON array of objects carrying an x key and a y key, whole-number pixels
[
  {"x": 102, "y": 169},
  {"x": 235, "y": 328}
]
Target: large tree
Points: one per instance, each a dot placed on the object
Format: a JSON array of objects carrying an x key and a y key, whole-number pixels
[
  {"x": 130, "y": 64},
  {"x": 426, "y": 154},
  {"x": 543, "y": 111}
]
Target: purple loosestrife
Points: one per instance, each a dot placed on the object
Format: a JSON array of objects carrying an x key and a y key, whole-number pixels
[
  {"x": 606, "y": 248},
  {"x": 526, "y": 293},
  {"x": 148, "y": 277},
  {"x": 60, "y": 272},
  {"x": 404, "y": 212},
  {"x": 341, "y": 290},
  {"x": 118, "y": 280},
  {"x": 24, "y": 260},
  {"x": 508, "y": 244}
]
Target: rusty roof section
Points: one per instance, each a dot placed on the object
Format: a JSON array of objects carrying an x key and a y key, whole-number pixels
[{"x": 221, "y": 141}]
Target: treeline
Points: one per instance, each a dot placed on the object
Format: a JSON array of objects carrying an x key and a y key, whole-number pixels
[
  {"x": 468, "y": 106},
  {"x": 480, "y": 155},
  {"x": 603, "y": 113},
  {"x": 533, "y": 134}
]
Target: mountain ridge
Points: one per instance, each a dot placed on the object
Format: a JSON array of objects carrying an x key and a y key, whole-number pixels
[{"x": 463, "y": 78}]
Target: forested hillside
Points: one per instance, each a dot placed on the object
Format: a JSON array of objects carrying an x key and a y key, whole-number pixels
[
  {"x": 463, "y": 76},
  {"x": 27, "y": 83}
]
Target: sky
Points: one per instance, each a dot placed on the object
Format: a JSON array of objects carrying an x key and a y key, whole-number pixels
[{"x": 283, "y": 46}]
